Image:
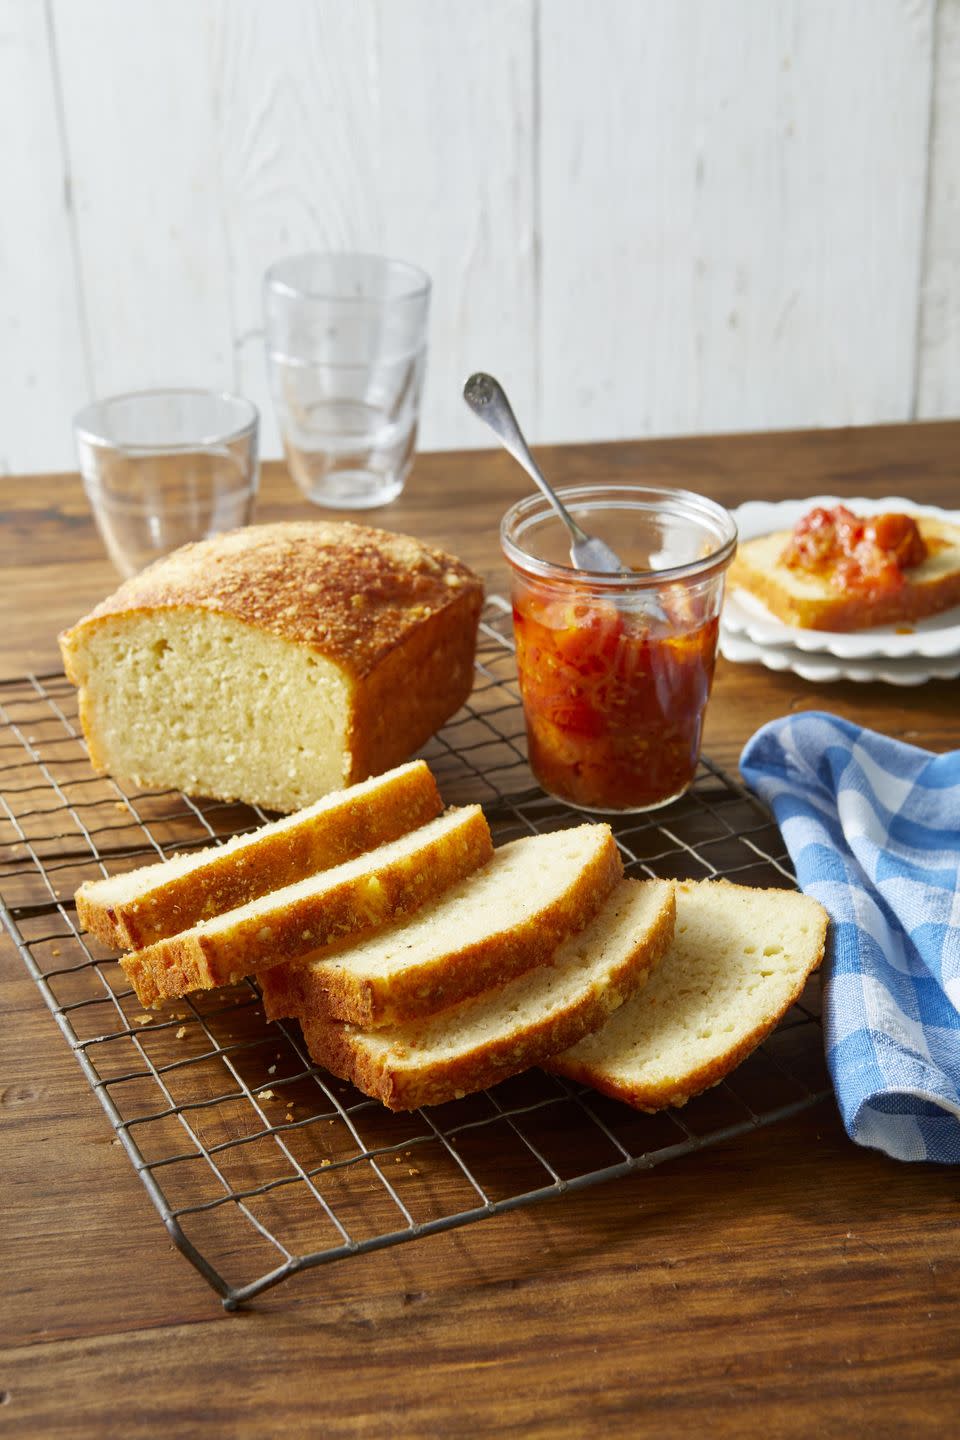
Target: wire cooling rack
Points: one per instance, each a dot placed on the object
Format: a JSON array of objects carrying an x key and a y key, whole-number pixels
[{"x": 262, "y": 1165}]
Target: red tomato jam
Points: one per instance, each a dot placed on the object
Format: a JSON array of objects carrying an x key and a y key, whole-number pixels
[
  {"x": 614, "y": 701},
  {"x": 854, "y": 554}
]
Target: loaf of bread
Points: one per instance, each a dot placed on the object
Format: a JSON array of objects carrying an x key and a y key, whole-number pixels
[
  {"x": 350, "y": 899},
  {"x": 132, "y": 910},
  {"x": 501, "y": 921},
  {"x": 275, "y": 664},
  {"x": 738, "y": 960},
  {"x": 811, "y": 601},
  {"x": 513, "y": 1026}
]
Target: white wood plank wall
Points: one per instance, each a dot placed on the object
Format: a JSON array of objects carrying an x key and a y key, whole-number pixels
[{"x": 647, "y": 216}]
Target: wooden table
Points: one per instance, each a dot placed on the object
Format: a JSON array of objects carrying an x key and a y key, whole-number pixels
[{"x": 784, "y": 1283}]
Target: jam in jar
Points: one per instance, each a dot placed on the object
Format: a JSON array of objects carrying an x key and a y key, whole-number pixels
[{"x": 615, "y": 671}]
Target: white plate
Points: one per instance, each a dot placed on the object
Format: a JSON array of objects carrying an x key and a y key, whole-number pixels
[
  {"x": 743, "y": 614},
  {"x": 825, "y": 668}
]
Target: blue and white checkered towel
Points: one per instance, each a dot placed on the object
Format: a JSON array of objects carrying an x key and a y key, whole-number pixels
[{"x": 873, "y": 829}]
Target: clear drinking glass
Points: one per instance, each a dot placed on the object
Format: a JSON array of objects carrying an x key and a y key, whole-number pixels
[
  {"x": 161, "y": 467},
  {"x": 346, "y": 340},
  {"x": 614, "y": 686}
]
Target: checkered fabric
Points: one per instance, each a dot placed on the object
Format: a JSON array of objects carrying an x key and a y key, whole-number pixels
[{"x": 873, "y": 828}]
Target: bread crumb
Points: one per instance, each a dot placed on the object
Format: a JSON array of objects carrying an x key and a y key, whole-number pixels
[
  {"x": 413, "y": 1172},
  {"x": 181, "y": 1032},
  {"x": 324, "y": 1164},
  {"x": 288, "y": 1116},
  {"x": 142, "y": 1019},
  {"x": 265, "y": 1095},
  {"x": 54, "y": 949},
  {"x": 119, "y": 805},
  {"x": 271, "y": 1069}
]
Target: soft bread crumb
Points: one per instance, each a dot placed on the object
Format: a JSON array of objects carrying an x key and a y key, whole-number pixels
[
  {"x": 275, "y": 663},
  {"x": 716, "y": 993},
  {"x": 508, "y": 1028},
  {"x": 506, "y": 918}
]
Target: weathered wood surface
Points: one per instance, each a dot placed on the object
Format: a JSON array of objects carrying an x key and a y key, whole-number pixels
[
  {"x": 785, "y": 1283},
  {"x": 648, "y": 219}
]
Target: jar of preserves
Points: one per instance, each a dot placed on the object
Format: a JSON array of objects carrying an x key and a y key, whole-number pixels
[{"x": 615, "y": 670}]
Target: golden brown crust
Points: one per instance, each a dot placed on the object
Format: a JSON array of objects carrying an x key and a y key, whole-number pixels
[
  {"x": 202, "y": 958},
  {"x": 349, "y": 591},
  {"x": 328, "y": 991},
  {"x": 416, "y": 687},
  {"x": 100, "y": 920},
  {"x": 230, "y": 878},
  {"x": 340, "y": 1049},
  {"x": 924, "y": 591},
  {"x": 651, "y": 1098}
]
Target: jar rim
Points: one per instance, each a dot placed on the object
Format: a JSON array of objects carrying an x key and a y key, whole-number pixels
[{"x": 685, "y": 503}]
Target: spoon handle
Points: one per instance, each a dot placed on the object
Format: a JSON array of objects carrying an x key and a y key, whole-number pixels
[{"x": 489, "y": 403}]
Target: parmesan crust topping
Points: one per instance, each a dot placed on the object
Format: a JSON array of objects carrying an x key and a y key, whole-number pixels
[{"x": 347, "y": 590}]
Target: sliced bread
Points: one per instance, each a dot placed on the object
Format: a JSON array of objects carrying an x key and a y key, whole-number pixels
[
  {"x": 499, "y": 922},
  {"x": 738, "y": 960},
  {"x": 509, "y": 1028},
  {"x": 133, "y": 910},
  {"x": 353, "y": 898}
]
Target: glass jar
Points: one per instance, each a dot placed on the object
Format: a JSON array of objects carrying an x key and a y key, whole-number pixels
[{"x": 615, "y": 670}]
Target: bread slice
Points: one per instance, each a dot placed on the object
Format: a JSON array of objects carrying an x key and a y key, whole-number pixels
[
  {"x": 353, "y": 898},
  {"x": 501, "y": 921},
  {"x": 133, "y": 910},
  {"x": 507, "y": 1029},
  {"x": 812, "y": 603},
  {"x": 738, "y": 961}
]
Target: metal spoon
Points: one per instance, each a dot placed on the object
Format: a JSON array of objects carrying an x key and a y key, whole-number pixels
[{"x": 487, "y": 399}]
